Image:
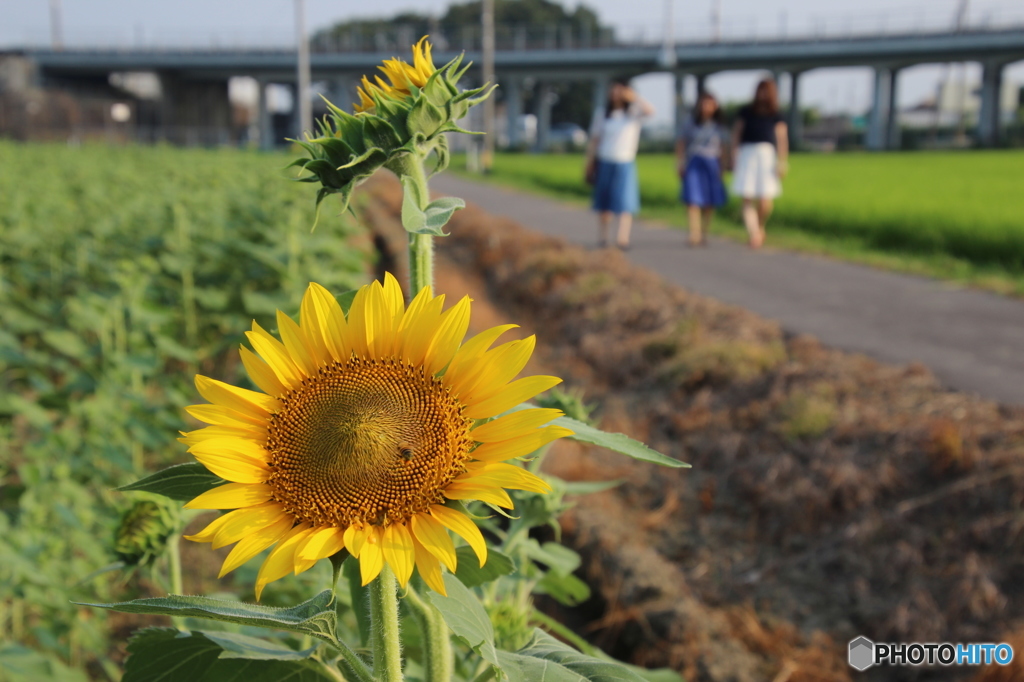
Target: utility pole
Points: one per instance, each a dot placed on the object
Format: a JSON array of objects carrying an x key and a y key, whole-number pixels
[
  {"x": 716, "y": 20},
  {"x": 487, "y": 47},
  {"x": 668, "y": 46},
  {"x": 302, "y": 90},
  {"x": 56, "y": 25}
]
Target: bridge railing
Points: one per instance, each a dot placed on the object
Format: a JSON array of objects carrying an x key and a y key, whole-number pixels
[{"x": 397, "y": 37}]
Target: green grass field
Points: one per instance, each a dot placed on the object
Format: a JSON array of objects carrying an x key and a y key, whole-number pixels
[
  {"x": 956, "y": 215},
  {"x": 123, "y": 272}
]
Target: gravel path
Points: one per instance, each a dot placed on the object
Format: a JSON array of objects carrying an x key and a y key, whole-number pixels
[{"x": 972, "y": 340}]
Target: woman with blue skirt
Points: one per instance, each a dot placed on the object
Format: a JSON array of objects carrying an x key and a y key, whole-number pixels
[
  {"x": 611, "y": 160},
  {"x": 700, "y": 157}
]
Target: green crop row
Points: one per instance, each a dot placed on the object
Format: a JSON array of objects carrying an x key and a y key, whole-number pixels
[
  {"x": 964, "y": 205},
  {"x": 123, "y": 271}
]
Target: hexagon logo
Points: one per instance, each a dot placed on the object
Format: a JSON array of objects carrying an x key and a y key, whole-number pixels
[{"x": 862, "y": 653}]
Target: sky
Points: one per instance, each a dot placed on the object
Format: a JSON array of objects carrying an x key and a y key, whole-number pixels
[{"x": 271, "y": 22}]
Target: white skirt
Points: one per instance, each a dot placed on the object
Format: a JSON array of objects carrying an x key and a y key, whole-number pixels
[{"x": 755, "y": 174}]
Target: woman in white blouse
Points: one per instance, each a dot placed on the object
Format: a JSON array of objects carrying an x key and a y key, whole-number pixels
[{"x": 611, "y": 160}]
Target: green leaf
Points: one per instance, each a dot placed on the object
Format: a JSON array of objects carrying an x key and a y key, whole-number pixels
[
  {"x": 425, "y": 117},
  {"x": 466, "y": 617},
  {"x": 545, "y": 658},
  {"x": 21, "y": 664},
  {"x": 472, "y": 574},
  {"x": 235, "y": 645},
  {"x": 619, "y": 442},
  {"x": 439, "y": 212},
  {"x": 565, "y": 588},
  {"x": 182, "y": 482},
  {"x": 413, "y": 217},
  {"x": 314, "y": 617},
  {"x": 168, "y": 655},
  {"x": 589, "y": 487},
  {"x": 555, "y": 556}
]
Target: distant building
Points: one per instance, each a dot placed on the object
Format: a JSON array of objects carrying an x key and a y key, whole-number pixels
[{"x": 957, "y": 101}]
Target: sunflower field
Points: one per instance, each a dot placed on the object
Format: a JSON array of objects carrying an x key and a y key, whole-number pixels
[{"x": 123, "y": 272}]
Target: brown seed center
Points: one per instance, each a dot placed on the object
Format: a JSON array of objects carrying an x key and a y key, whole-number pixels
[{"x": 372, "y": 441}]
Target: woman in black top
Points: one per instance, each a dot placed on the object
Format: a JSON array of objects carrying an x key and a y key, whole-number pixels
[{"x": 761, "y": 149}]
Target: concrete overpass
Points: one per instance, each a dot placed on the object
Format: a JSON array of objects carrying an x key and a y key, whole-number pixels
[{"x": 202, "y": 75}]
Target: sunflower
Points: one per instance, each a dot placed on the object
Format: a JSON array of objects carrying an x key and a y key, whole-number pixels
[
  {"x": 403, "y": 77},
  {"x": 367, "y": 432}
]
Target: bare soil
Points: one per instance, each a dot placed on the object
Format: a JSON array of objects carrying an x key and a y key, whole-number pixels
[{"x": 830, "y": 496}]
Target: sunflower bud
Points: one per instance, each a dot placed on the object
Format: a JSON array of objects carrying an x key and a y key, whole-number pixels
[
  {"x": 144, "y": 530},
  {"x": 405, "y": 115}
]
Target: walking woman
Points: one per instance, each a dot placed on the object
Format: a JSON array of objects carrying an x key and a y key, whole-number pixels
[
  {"x": 611, "y": 160},
  {"x": 700, "y": 158},
  {"x": 761, "y": 148}
]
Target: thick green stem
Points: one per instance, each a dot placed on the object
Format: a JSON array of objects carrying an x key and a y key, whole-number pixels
[
  {"x": 421, "y": 246},
  {"x": 174, "y": 568},
  {"x": 437, "y": 642},
  {"x": 385, "y": 634}
]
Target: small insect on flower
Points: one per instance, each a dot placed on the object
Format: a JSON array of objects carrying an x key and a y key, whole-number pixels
[{"x": 366, "y": 430}]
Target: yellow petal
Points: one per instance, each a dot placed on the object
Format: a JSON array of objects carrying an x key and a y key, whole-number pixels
[
  {"x": 434, "y": 537},
  {"x": 240, "y": 446},
  {"x": 394, "y": 298},
  {"x": 429, "y": 568},
  {"x": 503, "y": 475},
  {"x": 450, "y": 332},
  {"x": 323, "y": 543},
  {"x": 457, "y": 490},
  {"x": 378, "y": 322},
  {"x": 521, "y": 445},
  {"x": 234, "y": 467},
  {"x": 247, "y": 432},
  {"x": 513, "y": 394},
  {"x": 313, "y": 322},
  {"x": 396, "y": 544},
  {"x": 420, "y": 331},
  {"x": 261, "y": 374},
  {"x": 463, "y": 367},
  {"x": 281, "y": 561},
  {"x": 231, "y": 496},
  {"x": 336, "y": 330},
  {"x": 461, "y": 525},
  {"x": 354, "y": 538},
  {"x": 513, "y": 425},
  {"x": 299, "y": 347},
  {"x": 258, "y": 406},
  {"x": 217, "y": 414},
  {"x": 498, "y": 367},
  {"x": 357, "y": 323},
  {"x": 371, "y": 558},
  {"x": 249, "y": 519},
  {"x": 253, "y": 544},
  {"x": 276, "y": 355}
]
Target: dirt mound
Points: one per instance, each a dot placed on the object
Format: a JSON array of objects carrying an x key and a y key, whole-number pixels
[{"x": 831, "y": 495}]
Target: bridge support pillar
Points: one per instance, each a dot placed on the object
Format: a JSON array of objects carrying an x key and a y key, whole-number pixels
[
  {"x": 701, "y": 81},
  {"x": 545, "y": 101},
  {"x": 514, "y": 110},
  {"x": 989, "y": 115},
  {"x": 796, "y": 118},
  {"x": 294, "y": 118},
  {"x": 679, "y": 97},
  {"x": 893, "y": 134},
  {"x": 266, "y": 135},
  {"x": 600, "y": 92},
  {"x": 194, "y": 112},
  {"x": 875, "y": 138}
]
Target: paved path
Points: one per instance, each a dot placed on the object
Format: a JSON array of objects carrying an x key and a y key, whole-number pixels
[{"x": 972, "y": 340}]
